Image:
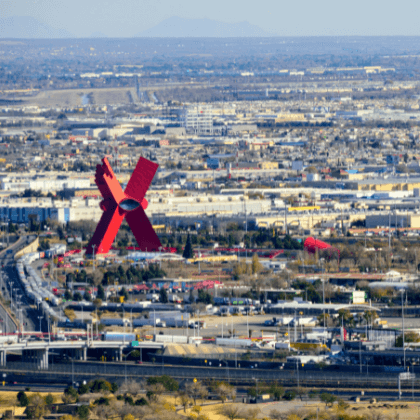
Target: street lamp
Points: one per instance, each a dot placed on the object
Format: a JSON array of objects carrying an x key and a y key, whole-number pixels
[
  {"x": 402, "y": 316},
  {"x": 11, "y": 293},
  {"x": 16, "y": 296},
  {"x": 93, "y": 247},
  {"x": 40, "y": 317}
]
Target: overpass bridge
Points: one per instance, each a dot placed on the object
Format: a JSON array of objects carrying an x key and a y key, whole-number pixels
[{"x": 37, "y": 352}]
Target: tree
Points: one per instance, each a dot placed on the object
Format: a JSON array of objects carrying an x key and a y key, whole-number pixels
[
  {"x": 101, "y": 293},
  {"x": 124, "y": 293},
  {"x": 83, "y": 389},
  {"x": 255, "y": 265},
  {"x": 184, "y": 400},
  {"x": 154, "y": 391},
  {"x": 37, "y": 408},
  {"x": 195, "y": 390},
  {"x": 345, "y": 317},
  {"x": 300, "y": 391},
  {"x": 97, "y": 303},
  {"x": 163, "y": 295},
  {"x": 276, "y": 391},
  {"x": 71, "y": 394},
  {"x": 231, "y": 411},
  {"x": 370, "y": 316},
  {"x": 409, "y": 337},
  {"x": 131, "y": 388},
  {"x": 49, "y": 399},
  {"x": 327, "y": 398},
  {"x": 323, "y": 319},
  {"x": 289, "y": 395},
  {"x": 170, "y": 384},
  {"x": 276, "y": 415},
  {"x": 78, "y": 297},
  {"x": 224, "y": 391},
  {"x": 22, "y": 398},
  {"x": 83, "y": 412},
  {"x": 188, "y": 251},
  {"x": 251, "y": 414},
  {"x": 68, "y": 295},
  {"x": 205, "y": 297}
]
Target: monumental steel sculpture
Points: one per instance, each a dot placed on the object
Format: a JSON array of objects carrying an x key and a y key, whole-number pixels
[{"x": 119, "y": 205}]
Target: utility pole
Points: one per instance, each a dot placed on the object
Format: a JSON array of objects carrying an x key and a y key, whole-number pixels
[
  {"x": 402, "y": 315},
  {"x": 93, "y": 247}
]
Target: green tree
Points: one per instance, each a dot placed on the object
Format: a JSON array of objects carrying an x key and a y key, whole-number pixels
[
  {"x": 289, "y": 395},
  {"x": 83, "y": 389},
  {"x": 71, "y": 394},
  {"x": 83, "y": 412},
  {"x": 68, "y": 295},
  {"x": 78, "y": 297},
  {"x": 22, "y": 398},
  {"x": 163, "y": 295},
  {"x": 169, "y": 383},
  {"x": 99, "y": 385},
  {"x": 124, "y": 293},
  {"x": 345, "y": 317},
  {"x": 188, "y": 251},
  {"x": 49, "y": 399},
  {"x": 101, "y": 293},
  {"x": 276, "y": 391},
  {"x": 205, "y": 297},
  {"x": 327, "y": 398}
]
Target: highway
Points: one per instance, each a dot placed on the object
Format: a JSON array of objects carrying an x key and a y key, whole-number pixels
[
  {"x": 9, "y": 281},
  {"x": 61, "y": 373}
]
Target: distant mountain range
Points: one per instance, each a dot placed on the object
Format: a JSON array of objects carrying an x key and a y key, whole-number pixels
[
  {"x": 176, "y": 27},
  {"x": 29, "y": 27}
]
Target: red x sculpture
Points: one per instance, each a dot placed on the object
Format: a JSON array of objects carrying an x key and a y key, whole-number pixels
[{"x": 129, "y": 204}]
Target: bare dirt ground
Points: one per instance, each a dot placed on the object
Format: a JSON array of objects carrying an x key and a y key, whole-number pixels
[
  {"x": 297, "y": 409},
  {"x": 73, "y": 97},
  {"x": 8, "y": 401}
]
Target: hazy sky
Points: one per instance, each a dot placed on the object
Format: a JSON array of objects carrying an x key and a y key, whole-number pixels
[{"x": 124, "y": 18}]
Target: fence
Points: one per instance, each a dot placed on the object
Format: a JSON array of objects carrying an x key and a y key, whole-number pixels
[{"x": 80, "y": 371}]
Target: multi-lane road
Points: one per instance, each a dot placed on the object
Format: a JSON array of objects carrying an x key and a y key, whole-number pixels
[
  {"x": 11, "y": 289},
  {"x": 76, "y": 371}
]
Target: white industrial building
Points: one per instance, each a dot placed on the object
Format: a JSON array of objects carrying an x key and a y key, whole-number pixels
[
  {"x": 198, "y": 119},
  {"x": 20, "y": 210},
  {"x": 44, "y": 184}
]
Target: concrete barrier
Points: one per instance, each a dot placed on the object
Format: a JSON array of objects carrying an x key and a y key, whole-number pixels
[{"x": 32, "y": 247}]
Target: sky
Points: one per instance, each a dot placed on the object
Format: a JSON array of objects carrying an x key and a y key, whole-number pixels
[{"x": 125, "y": 18}]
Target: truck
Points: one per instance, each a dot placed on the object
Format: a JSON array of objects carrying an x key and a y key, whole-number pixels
[
  {"x": 154, "y": 297},
  {"x": 115, "y": 336},
  {"x": 236, "y": 342},
  {"x": 175, "y": 299},
  {"x": 305, "y": 321}
]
